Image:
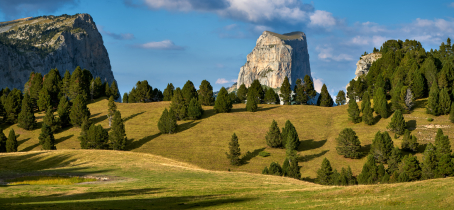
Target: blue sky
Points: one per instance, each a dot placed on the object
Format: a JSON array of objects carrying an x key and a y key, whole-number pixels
[{"x": 166, "y": 41}]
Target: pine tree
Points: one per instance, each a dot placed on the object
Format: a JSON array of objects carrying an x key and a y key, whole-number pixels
[
  {"x": 270, "y": 97},
  {"x": 83, "y": 137},
  {"x": 410, "y": 167},
  {"x": 63, "y": 110},
  {"x": 397, "y": 124},
  {"x": 126, "y": 98},
  {"x": 78, "y": 111},
  {"x": 285, "y": 166},
  {"x": 66, "y": 82},
  {"x": 380, "y": 103},
  {"x": 178, "y": 105},
  {"x": 369, "y": 174},
  {"x": 340, "y": 98},
  {"x": 348, "y": 144},
  {"x": 50, "y": 121},
  {"x": 11, "y": 142},
  {"x": 112, "y": 107},
  {"x": 26, "y": 119},
  {"x": 114, "y": 90},
  {"x": 286, "y": 91},
  {"x": 442, "y": 143},
  {"x": 309, "y": 87},
  {"x": 353, "y": 112},
  {"x": 195, "y": 110},
  {"x": 432, "y": 102},
  {"x": 157, "y": 95},
  {"x": 418, "y": 85},
  {"x": 2, "y": 141},
  {"x": 77, "y": 86},
  {"x": 285, "y": 135},
  {"x": 251, "y": 103},
  {"x": 13, "y": 106},
  {"x": 189, "y": 92},
  {"x": 233, "y": 98},
  {"x": 36, "y": 85},
  {"x": 444, "y": 102},
  {"x": 107, "y": 91},
  {"x": 98, "y": 88},
  {"x": 292, "y": 142},
  {"x": 381, "y": 147},
  {"x": 46, "y": 138},
  {"x": 52, "y": 83},
  {"x": 234, "y": 151},
  {"x": 223, "y": 103},
  {"x": 265, "y": 170},
  {"x": 143, "y": 92},
  {"x": 97, "y": 137},
  {"x": 325, "y": 98},
  {"x": 445, "y": 166},
  {"x": 394, "y": 160},
  {"x": 168, "y": 92},
  {"x": 44, "y": 100},
  {"x": 167, "y": 124},
  {"x": 117, "y": 135},
  {"x": 273, "y": 136},
  {"x": 258, "y": 90},
  {"x": 368, "y": 115},
  {"x": 396, "y": 102},
  {"x": 275, "y": 169},
  {"x": 293, "y": 170},
  {"x": 324, "y": 173},
  {"x": 242, "y": 93},
  {"x": 409, "y": 142},
  {"x": 206, "y": 93},
  {"x": 430, "y": 162}
]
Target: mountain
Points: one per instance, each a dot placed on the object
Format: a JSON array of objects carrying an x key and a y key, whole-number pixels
[
  {"x": 42, "y": 43},
  {"x": 274, "y": 57}
]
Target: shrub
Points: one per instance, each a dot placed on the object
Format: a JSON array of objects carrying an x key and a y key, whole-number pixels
[
  {"x": 348, "y": 144},
  {"x": 264, "y": 154}
]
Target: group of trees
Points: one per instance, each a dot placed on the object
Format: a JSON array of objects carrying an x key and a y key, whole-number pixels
[
  {"x": 380, "y": 108},
  {"x": 143, "y": 93}
]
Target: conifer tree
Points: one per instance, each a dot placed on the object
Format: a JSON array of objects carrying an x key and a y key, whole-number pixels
[
  {"x": 444, "y": 102},
  {"x": 63, "y": 110},
  {"x": 112, "y": 107},
  {"x": 396, "y": 102},
  {"x": 78, "y": 111},
  {"x": 44, "y": 100},
  {"x": 117, "y": 135},
  {"x": 66, "y": 83},
  {"x": 143, "y": 92},
  {"x": 26, "y": 119},
  {"x": 409, "y": 142},
  {"x": 52, "y": 83},
  {"x": 432, "y": 103},
  {"x": 324, "y": 173},
  {"x": 13, "y": 106},
  {"x": 365, "y": 98},
  {"x": 11, "y": 142},
  {"x": 285, "y": 166},
  {"x": 125, "y": 98},
  {"x": 189, "y": 92},
  {"x": 107, "y": 91},
  {"x": 35, "y": 88},
  {"x": 418, "y": 85},
  {"x": 234, "y": 151},
  {"x": 195, "y": 110},
  {"x": 168, "y": 92},
  {"x": 368, "y": 115},
  {"x": 410, "y": 167},
  {"x": 223, "y": 104},
  {"x": 98, "y": 88},
  {"x": 258, "y": 90},
  {"x": 293, "y": 170},
  {"x": 167, "y": 124},
  {"x": 275, "y": 169},
  {"x": 251, "y": 103},
  {"x": 242, "y": 93},
  {"x": 50, "y": 121},
  {"x": 380, "y": 103},
  {"x": 430, "y": 162},
  {"x": 97, "y": 137},
  {"x": 285, "y": 135},
  {"x": 265, "y": 170},
  {"x": 369, "y": 174},
  {"x": 233, "y": 98},
  {"x": 394, "y": 160},
  {"x": 340, "y": 98},
  {"x": 2, "y": 109},
  {"x": 445, "y": 166},
  {"x": 178, "y": 105},
  {"x": 83, "y": 137},
  {"x": 292, "y": 142},
  {"x": 348, "y": 144},
  {"x": 273, "y": 136},
  {"x": 325, "y": 98},
  {"x": 205, "y": 93},
  {"x": 381, "y": 147},
  {"x": 2, "y": 141},
  {"x": 286, "y": 91},
  {"x": 114, "y": 90},
  {"x": 46, "y": 138},
  {"x": 353, "y": 112},
  {"x": 77, "y": 84},
  {"x": 309, "y": 87},
  {"x": 442, "y": 143},
  {"x": 397, "y": 124},
  {"x": 270, "y": 97}
]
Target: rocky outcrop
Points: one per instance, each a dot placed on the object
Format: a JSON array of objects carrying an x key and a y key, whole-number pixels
[
  {"x": 274, "y": 57},
  {"x": 363, "y": 65},
  {"x": 64, "y": 42}
]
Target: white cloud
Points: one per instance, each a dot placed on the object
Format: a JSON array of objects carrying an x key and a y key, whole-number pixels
[
  {"x": 234, "y": 80},
  {"x": 318, "y": 84},
  {"x": 225, "y": 81},
  {"x": 451, "y": 5},
  {"x": 261, "y": 29},
  {"x": 326, "y": 53},
  {"x": 121, "y": 36},
  {"x": 322, "y": 18},
  {"x": 162, "y": 45}
]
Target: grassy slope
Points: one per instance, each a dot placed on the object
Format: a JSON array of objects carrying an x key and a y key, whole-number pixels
[
  {"x": 147, "y": 181},
  {"x": 204, "y": 142}
]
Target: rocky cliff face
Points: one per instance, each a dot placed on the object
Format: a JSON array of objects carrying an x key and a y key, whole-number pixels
[
  {"x": 274, "y": 57},
  {"x": 363, "y": 65},
  {"x": 43, "y": 43}
]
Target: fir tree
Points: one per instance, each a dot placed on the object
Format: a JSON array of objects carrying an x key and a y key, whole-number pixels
[
  {"x": 285, "y": 166},
  {"x": 430, "y": 162},
  {"x": 98, "y": 88},
  {"x": 325, "y": 98},
  {"x": 52, "y": 83},
  {"x": 83, "y": 137},
  {"x": 403, "y": 177},
  {"x": 286, "y": 91},
  {"x": 195, "y": 110},
  {"x": 432, "y": 103},
  {"x": 168, "y": 92},
  {"x": 76, "y": 86},
  {"x": 273, "y": 136},
  {"x": 418, "y": 85},
  {"x": 117, "y": 135},
  {"x": 125, "y": 98},
  {"x": 348, "y": 144},
  {"x": 242, "y": 93},
  {"x": 63, "y": 110},
  {"x": 112, "y": 107},
  {"x": 13, "y": 106},
  {"x": 292, "y": 142},
  {"x": 223, "y": 103},
  {"x": 381, "y": 147},
  {"x": 97, "y": 137},
  {"x": 50, "y": 121},
  {"x": 206, "y": 93},
  {"x": 36, "y": 85},
  {"x": 26, "y": 119},
  {"x": 2, "y": 141},
  {"x": 107, "y": 91},
  {"x": 309, "y": 87},
  {"x": 396, "y": 102},
  {"x": 293, "y": 170},
  {"x": 78, "y": 111},
  {"x": 234, "y": 151},
  {"x": 46, "y": 138},
  {"x": 409, "y": 142},
  {"x": 114, "y": 90},
  {"x": 275, "y": 169},
  {"x": 233, "y": 98},
  {"x": 340, "y": 98},
  {"x": 353, "y": 112},
  {"x": 380, "y": 171},
  {"x": 368, "y": 115},
  {"x": 380, "y": 103},
  {"x": 285, "y": 135},
  {"x": 257, "y": 87},
  {"x": 11, "y": 142},
  {"x": 157, "y": 95},
  {"x": 265, "y": 170},
  {"x": 410, "y": 167},
  {"x": 369, "y": 174},
  {"x": 189, "y": 92},
  {"x": 366, "y": 98},
  {"x": 270, "y": 97},
  {"x": 442, "y": 143},
  {"x": 394, "y": 160},
  {"x": 445, "y": 166},
  {"x": 131, "y": 96},
  {"x": 397, "y": 124},
  {"x": 444, "y": 102},
  {"x": 251, "y": 103},
  {"x": 143, "y": 92},
  {"x": 178, "y": 105},
  {"x": 324, "y": 173},
  {"x": 44, "y": 100},
  {"x": 167, "y": 124}
]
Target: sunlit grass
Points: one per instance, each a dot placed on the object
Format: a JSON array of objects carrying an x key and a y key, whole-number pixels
[{"x": 49, "y": 180}]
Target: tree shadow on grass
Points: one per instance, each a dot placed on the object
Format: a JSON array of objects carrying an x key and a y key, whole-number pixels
[
  {"x": 421, "y": 149},
  {"x": 94, "y": 115},
  {"x": 99, "y": 119},
  {"x": 310, "y": 144},
  {"x": 365, "y": 150},
  {"x": 62, "y": 139},
  {"x": 21, "y": 141},
  {"x": 310, "y": 157},
  {"x": 420, "y": 104},
  {"x": 131, "y": 144},
  {"x": 376, "y": 119},
  {"x": 308, "y": 179},
  {"x": 132, "y": 116},
  {"x": 29, "y": 148},
  {"x": 411, "y": 125},
  {"x": 208, "y": 113},
  {"x": 249, "y": 155},
  {"x": 258, "y": 109},
  {"x": 187, "y": 126}
]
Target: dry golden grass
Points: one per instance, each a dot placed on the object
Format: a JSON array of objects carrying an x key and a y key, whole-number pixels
[{"x": 48, "y": 180}]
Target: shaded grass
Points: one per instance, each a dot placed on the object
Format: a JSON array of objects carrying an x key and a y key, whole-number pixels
[{"x": 48, "y": 180}]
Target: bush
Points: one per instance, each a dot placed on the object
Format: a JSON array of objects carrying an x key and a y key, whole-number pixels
[
  {"x": 264, "y": 154},
  {"x": 430, "y": 119}
]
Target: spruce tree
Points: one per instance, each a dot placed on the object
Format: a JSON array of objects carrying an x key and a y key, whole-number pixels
[
  {"x": 242, "y": 93},
  {"x": 206, "y": 93},
  {"x": 293, "y": 170},
  {"x": 35, "y": 87},
  {"x": 324, "y": 173},
  {"x": 368, "y": 115},
  {"x": 432, "y": 103},
  {"x": 325, "y": 98},
  {"x": 396, "y": 102},
  {"x": 286, "y": 91},
  {"x": 285, "y": 166},
  {"x": 369, "y": 174},
  {"x": 13, "y": 106},
  {"x": 63, "y": 110},
  {"x": 11, "y": 142},
  {"x": 258, "y": 90},
  {"x": 167, "y": 124},
  {"x": 380, "y": 103},
  {"x": 2, "y": 141},
  {"x": 98, "y": 88},
  {"x": 97, "y": 137},
  {"x": 353, "y": 112},
  {"x": 26, "y": 119},
  {"x": 285, "y": 135},
  {"x": 125, "y": 98},
  {"x": 46, "y": 138},
  {"x": 189, "y": 92},
  {"x": 79, "y": 111},
  {"x": 251, "y": 103},
  {"x": 275, "y": 169},
  {"x": 114, "y": 90},
  {"x": 178, "y": 105},
  {"x": 270, "y": 97},
  {"x": 44, "y": 100},
  {"x": 117, "y": 135},
  {"x": 50, "y": 121},
  {"x": 381, "y": 147},
  {"x": 410, "y": 167},
  {"x": 195, "y": 110},
  {"x": 445, "y": 166},
  {"x": 52, "y": 83},
  {"x": 131, "y": 96},
  {"x": 348, "y": 144},
  {"x": 394, "y": 160},
  {"x": 234, "y": 151},
  {"x": 77, "y": 86},
  {"x": 409, "y": 142},
  {"x": 292, "y": 142},
  {"x": 107, "y": 91},
  {"x": 273, "y": 136},
  {"x": 365, "y": 98},
  {"x": 429, "y": 162},
  {"x": 223, "y": 104},
  {"x": 340, "y": 98},
  {"x": 309, "y": 87},
  {"x": 442, "y": 143},
  {"x": 418, "y": 85},
  {"x": 168, "y": 92},
  {"x": 444, "y": 102},
  {"x": 66, "y": 83},
  {"x": 112, "y": 107},
  {"x": 83, "y": 137},
  {"x": 397, "y": 124}
]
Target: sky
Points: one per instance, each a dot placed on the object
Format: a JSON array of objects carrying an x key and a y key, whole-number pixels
[{"x": 172, "y": 41}]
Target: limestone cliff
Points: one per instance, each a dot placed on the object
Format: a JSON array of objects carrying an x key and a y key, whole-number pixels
[
  {"x": 274, "y": 57},
  {"x": 363, "y": 65},
  {"x": 43, "y": 43}
]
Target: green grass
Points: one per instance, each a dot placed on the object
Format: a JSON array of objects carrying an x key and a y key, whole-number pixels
[{"x": 48, "y": 180}]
